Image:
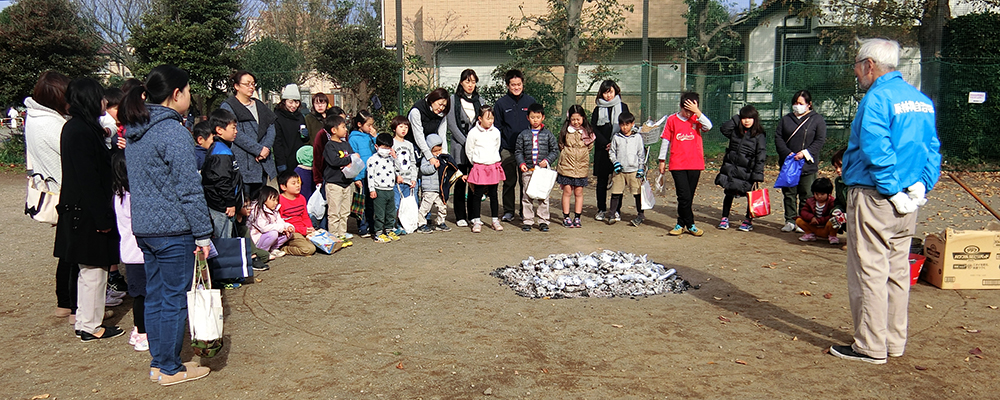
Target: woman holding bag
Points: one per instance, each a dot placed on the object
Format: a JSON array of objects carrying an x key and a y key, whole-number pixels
[
  {"x": 800, "y": 133},
  {"x": 743, "y": 164}
]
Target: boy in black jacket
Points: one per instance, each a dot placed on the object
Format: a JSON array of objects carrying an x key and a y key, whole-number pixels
[{"x": 220, "y": 176}]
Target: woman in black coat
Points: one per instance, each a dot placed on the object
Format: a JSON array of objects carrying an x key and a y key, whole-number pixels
[
  {"x": 801, "y": 133},
  {"x": 86, "y": 232},
  {"x": 466, "y": 105},
  {"x": 743, "y": 164},
  {"x": 290, "y": 131},
  {"x": 604, "y": 120}
]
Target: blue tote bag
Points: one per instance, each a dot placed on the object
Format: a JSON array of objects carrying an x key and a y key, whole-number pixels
[
  {"x": 790, "y": 172},
  {"x": 230, "y": 259}
]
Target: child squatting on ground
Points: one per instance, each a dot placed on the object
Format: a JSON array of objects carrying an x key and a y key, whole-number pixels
[
  {"x": 268, "y": 230},
  {"x": 628, "y": 164},
  {"x": 293, "y": 211},
  {"x": 382, "y": 178},
  {"x": 430, "y": 184},
  {"x": 536, "y": 147},
  {"x": 816, "y": 216}
]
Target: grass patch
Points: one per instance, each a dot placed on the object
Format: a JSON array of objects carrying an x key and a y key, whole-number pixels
[{"x": 12, "y": 150}]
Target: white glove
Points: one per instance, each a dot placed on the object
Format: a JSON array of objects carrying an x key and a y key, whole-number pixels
[
  {"x": 903, "y": 203},
  {"x": 917, "y": 193}
]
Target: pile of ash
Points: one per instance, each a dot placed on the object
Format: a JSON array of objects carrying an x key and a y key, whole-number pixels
[{"x": 598, "y": 274}]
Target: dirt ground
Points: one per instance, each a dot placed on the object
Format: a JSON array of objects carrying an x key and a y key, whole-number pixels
[{"x": 423, "y": 319}]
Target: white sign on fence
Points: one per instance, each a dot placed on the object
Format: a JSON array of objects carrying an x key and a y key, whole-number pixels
[{"x": 977, "y": 97}]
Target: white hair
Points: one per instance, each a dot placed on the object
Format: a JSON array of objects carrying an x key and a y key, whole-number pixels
[{"x": 883, "y": 52}]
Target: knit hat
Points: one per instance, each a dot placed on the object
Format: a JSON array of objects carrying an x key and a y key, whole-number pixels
[
  {"x": 433, "y": 140},
  {"x": 291, "y": 92},
  {"x": 304, "y": 156}
]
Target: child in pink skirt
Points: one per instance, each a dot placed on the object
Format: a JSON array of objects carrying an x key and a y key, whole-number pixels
[{"x": 483, "y": 148}]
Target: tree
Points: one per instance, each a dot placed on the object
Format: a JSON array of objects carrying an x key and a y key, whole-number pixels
[
  {"x": 198, "y": 36},
  {"x": 421, "y": 59},
  {"x": 301, "y": 22},
  {"x": 568, "y": 35},
  {"x": 711, "y": 38},
  {"x": 353, "y": 57},
  {"x": 39, "y": 35},
  {"x": 275, "y": 64},
  {"x": 115, "y": 20}
]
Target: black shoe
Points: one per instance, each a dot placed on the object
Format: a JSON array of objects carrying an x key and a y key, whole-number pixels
[
  {"x": 261, "y": 267},
  {"x": 638, "y": 220},
  {"x": 109, "y": 332},
  {"x": 443, "y": 227},
  {"x": 78, "y": 332},
  {"x": 848, "y": 353},
  {"x": 543, "y": 227},
  {"x": 507, "y": 217},
  {"x": 118, "y": 283},
  {"x": 526, "y": 228},
  {"x": 424, "y": 229}
]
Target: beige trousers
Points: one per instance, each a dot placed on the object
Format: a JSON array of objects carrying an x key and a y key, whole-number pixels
[
  {"x": 338, "y": 207},
  {"x": 430, "y": 200},
  {"x": 91, "y": 288},
  {"x": 878, "y": 271},
  {"x": 528, "y": 206},
  {"x": 298, "y": 245}
]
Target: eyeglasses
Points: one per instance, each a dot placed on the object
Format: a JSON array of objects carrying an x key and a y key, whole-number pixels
[{"x": 249, "y": 84}]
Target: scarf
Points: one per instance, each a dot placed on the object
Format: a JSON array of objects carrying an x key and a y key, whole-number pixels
[
  {"x": 602, "y": 113},
  {"x": 461, "y": 119}
]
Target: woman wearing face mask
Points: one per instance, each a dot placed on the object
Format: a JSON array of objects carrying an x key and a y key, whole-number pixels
[{"x": 801, "y": 133}]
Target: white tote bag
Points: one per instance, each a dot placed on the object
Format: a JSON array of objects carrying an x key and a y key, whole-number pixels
[
  {"x": 648, "y": 198},
  {"x": 40, "y": 200},
  {"x": 409, "y": 213},
  {"x": 540, "y": 185},
  {"x": 204, "y": 305},
  {"x": 316, "y": 206}
]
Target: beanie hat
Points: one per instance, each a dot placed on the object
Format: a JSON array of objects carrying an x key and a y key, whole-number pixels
[
  {"x": 433, "y": 140},
  {"x": 291, "y": 92},
  {"x": 304, "y": 156}
]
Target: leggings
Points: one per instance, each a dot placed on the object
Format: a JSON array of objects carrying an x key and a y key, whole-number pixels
[
  {"x": 475, "y": 206},
  {"x": 602, "y": 192},
  {"x": 271, "y": 240},
  {"x": 727, "y": 205}
]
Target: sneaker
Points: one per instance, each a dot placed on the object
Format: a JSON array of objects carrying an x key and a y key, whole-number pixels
[
  {"x": 638, "y": 220},
  {"x": 599, "y": 216},
  {"x": 106, "y": 333},
  {"x": 477, "y": 227},
  {"x": 112, "y": 292},
  {"x": 142, "y": 343},
  {"x": 611, "y": 220},
  {"x": 809, "y": 237},
  {"x": 848, "y": 353},
  {"x": 834, "y": 239},
  {"x": 789, "y": 226},
  {"x": 366, "y": 235},
  {"x": 568, "y": 222},
  {"x": 746, "y": 226},
  {"x": 190, "y": 374},
  {"x": 443, "y": 227},
  {"x": 424, "y": 229},
  {"x": 543, "y": 227},
  {"x": 346, "y": 236},
  {"x": 799, "y": 230},
  {"x": 131, "y": 337},
  {"x": 399, "y": 231},
  {"x": 382, "y": 238},
  {"x": 278, "y": 253},
  {"x": 117, "y": 282},
  {"x": 154, "y": 373},
  {"x": 618, "y": 217},
  {"x": 462, "y": 223},
  {"x": 110, "y": 301},
  {"x": 392, "y": 236},
  {"x": 507, "y": 217},
  {"x": 232, "y": 286},
  {"x": 525, "y": 228},
  {"x": 724, "y": 223},
  {"x": 677, "y": 231},
  {"x": 576, "y": 222},
  {"x": 497, "y": 227},
  {"x": 694, "y": 231},
  {"x": 261, "y": 267}
]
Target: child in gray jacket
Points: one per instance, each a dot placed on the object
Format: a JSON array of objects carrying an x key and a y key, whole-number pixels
[
  {"x": 627, "y": 158},
  {"x": 430, "y": 185}
]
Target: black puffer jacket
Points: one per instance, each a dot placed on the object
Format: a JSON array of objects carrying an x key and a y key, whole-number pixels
[{"x": 744, "y": 161}]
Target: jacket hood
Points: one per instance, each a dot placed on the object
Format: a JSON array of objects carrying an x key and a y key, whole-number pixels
[
  {"x": 36, "y": 110},
  {"x": 157, "y": 114}
]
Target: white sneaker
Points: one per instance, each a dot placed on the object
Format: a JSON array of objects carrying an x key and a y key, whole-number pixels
[
  {"x": 789, "y": 226},
  {"x": 142, "y": 343},
  {"x": 618, "y": 217},
  {"x": 799, "y": 230},
  {"x": 278, "y": 253},
  {"x": 462, "y": 223},
  {"x": 116, "y": 294},
  {"x": 132, "y": 338},
  {"x": 110, "y": 301}
]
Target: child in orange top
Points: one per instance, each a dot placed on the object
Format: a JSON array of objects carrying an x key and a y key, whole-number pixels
[{"x": 293, "y": 211}]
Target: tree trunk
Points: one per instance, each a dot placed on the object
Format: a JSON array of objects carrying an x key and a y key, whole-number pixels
[
  {"x": 700, "y": 75},
  {"x": 571, "y": 54},
  {"x": 930, "y": 36}
]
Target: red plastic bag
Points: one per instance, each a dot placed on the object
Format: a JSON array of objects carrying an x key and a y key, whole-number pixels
[{"x": 760, "y": 202}]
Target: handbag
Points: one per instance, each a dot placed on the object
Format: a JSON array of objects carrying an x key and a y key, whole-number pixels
[
  {"x": 648, "y": 199},
  {"x": 324, "y": 241},
  {"x": 541, "y": 183},
  {"x": 408, "y": 214},
  {"x": 358, "y": 205},
  {"x": 316, "y": 206},
  {"x": 790, "y": 173},
  {"x": 205, "y": 312},
  {"x": 40, "y": 201},
  {"x": 759, "y": 201},
  {"x": 231, "y": 259}
]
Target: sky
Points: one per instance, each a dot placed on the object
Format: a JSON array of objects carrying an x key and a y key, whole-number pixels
[{"x": 4, "y": 4}]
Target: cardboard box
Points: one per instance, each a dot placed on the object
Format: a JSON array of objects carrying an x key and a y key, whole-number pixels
[{"x": 963, "y": 259}]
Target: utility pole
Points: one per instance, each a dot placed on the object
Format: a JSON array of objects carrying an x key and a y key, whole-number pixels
[
  {"x": 644, "y": 112},
  {"x": 399, "y": 50}
]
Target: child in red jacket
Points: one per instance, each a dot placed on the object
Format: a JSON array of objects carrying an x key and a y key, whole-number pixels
[
  {"x": 293, "y": 211},
  {"x": 816, "y": 216}
]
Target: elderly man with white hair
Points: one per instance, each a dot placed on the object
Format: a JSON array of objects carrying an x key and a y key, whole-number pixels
[{"x": 892, "y": 160}]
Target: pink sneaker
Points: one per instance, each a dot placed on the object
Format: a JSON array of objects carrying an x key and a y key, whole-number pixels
[
  {"x": 134, "y": 336},
  {"x": 809, "y": 237},
  {"x": 834, "y": 239},
  {"x": 142, "y": 343}
]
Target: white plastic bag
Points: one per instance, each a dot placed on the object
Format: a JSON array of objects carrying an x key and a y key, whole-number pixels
[
  {"x": 648, "y": 198},
  {"x": 204, "y": 305},
  {"x": 316, "y": 206},
  {"x": 540, "y": 185},
  {"x": 409, "y": 213},
  {"x": 355, "y": 168}
]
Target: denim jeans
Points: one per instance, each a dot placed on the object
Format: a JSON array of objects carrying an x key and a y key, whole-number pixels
[
  {"x": 169, "y": 264},
  {"x": 222, "y": 224}
]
